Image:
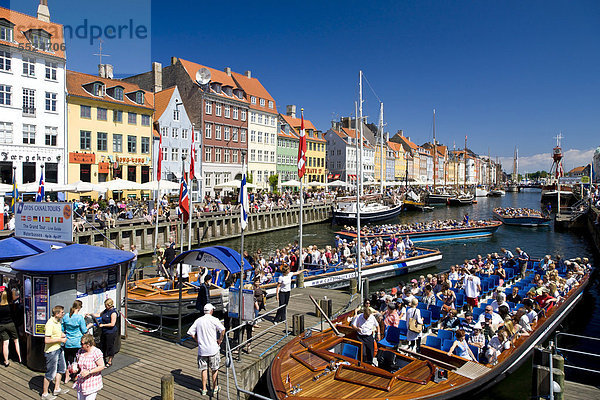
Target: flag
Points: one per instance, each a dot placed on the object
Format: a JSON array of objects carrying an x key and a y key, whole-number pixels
[
  {"x": 184, "y": 203},
  {"x": 40, "y": 193},
  {"x": 244, "y": 201},
  {"x": 302, "y": 149},
  {"x": 192, "y": 162},
  {"x": 15, "y": 193},
  {"x": 159, "y": 163},
  {"x": 288, "y": 380}
]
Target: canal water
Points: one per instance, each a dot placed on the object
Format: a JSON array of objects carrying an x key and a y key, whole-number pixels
[{"x": 535, "y": 241}]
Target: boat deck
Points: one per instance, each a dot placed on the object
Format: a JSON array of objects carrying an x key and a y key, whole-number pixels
[{"x": 137, "y": 369}]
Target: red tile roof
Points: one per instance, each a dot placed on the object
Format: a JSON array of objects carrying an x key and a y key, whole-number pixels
[
  {"x": 215, "y": 76},
  {"x": 161, "y": 101},
  {"x": 290, "y": 135},
  {"x": 24, "y": 23},
  {"x": 253, "y": 87},
  {"x": 295, "y": 122},
  {"x": 76, "y": 81}
]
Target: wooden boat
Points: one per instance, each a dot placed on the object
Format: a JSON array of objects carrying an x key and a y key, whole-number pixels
[
  {"x": 530, "y": 218},
  {"x": 496, "y": 193},
  {"x": 462, "y": 200},
  {"x": 460, "y": 232},
  {"x": 372, "y": 209},
  {"x": 410, "y": 205},
  {"x": 327, "y": 365},
  {"x": 438, "y": 199}
]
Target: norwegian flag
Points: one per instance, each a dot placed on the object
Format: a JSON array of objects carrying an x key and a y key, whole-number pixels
[
  {"x": 302, "y": 148},
  {"x": 39, "y": 197},
  {"x": 184, "y": 202},
  {"x": 159, "y": 162},
  {"x": 192, "y": 161}
]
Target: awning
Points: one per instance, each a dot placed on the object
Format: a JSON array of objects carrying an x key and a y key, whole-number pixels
[
  {"x": 213, "y": 257},
  {"x": 329, "y": 176},
  {"x": 336, "y": 177},
  {"x": 73, "y": 258},
  {"x": 14, "y": 248},
  {"x": 351, "y": 177}
]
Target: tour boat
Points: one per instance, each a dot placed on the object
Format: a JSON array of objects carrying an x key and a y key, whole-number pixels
[
  {"x": 530, "y": 218},
  {"x": 372, "y": 209},
  {"x": 326, "y": 365},
  {"x": 459, "y": 232}
]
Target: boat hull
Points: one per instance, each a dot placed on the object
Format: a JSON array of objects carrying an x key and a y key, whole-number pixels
[
  {"x": 460, "y": 202},
  {"x": 522, "y": 221},
  {"x": 438, "y": 199},
  {"x": 350, "y": 217}
]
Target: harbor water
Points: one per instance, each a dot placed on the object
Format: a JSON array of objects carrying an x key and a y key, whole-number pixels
[{"x": 537, "y": 242}]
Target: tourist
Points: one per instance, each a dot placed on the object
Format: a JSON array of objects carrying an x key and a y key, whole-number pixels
[
  {"x": 500, "y": 302},
  {"x": 468, "y": 324},
  {"x": 108, "y": 323},
  {"x": 463, "y": 349},
  {"x": 208, "y": 332},
  {"x": 472, "y": 285},
  {"x": 8, "y": 330},
  {"x": 522, "y": 259},
  {"x": 366, "y": 325},
  {"x": 497, "y": 344},
  {"x": 203, "y": 293},
  {"x": 448, "y": 297},
  {"x": 390, "y": 316},
  {"x": 134, "y": 251},
  {"x": 428, "y": 297},
  {"x": 54, "y": 354},
  {"x": 90, "y": 361},
  {"x": 284, "y": 287},
  {"x": 74, "y": 327},
  {"x": 476, "y": 338},
  {"x": 514, "y": 296},
  {"x": 414, "y": 335},
  {"x": 450, "y": 321},
  {"x": 490, "y": 314}
]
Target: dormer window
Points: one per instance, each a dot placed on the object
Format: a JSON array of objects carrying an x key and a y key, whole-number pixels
[
  {"x": 216, "y": 87},
  {"x": 118, "y": 93},
  {"x": 262, "y": 102},
  {"x": 139, "y": 97},
  {"x": 253, "y": 100},
  {"x": 6, "y": 30},
  {"x": 98, "y": 89},
  {"x": 270, "y": 104},
  {"x": 228, "y": 90},
  {"x": 238, "y": 93},
  {"x": 40, "y": 39}
]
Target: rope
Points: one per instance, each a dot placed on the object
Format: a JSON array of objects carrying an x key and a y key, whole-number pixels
[{"x": 139, "y": 328}]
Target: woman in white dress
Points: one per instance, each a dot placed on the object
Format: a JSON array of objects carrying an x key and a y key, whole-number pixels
[{"x": 414, "y": 338}]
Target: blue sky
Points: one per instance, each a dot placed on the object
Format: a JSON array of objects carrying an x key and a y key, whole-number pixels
[{"x": 504, "y": 73}]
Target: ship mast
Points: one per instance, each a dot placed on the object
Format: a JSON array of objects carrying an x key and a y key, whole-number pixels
[
  {"x": 465, "y": 180},
  {"x": 381, "y": 158},
  {"x": 434, "y": 154}
]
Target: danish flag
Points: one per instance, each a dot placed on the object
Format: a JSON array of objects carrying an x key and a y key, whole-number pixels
[
  {"x": 302, "y": 148},
  {"x": 192, "y": 161}
]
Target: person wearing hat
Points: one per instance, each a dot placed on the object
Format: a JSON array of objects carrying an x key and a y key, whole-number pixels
[
  {"x": 204, "y": 331},
  {"x": 491, "y": 315},
  {"x": 476, "y": 337},
  {"x": 544, "y": 300}
]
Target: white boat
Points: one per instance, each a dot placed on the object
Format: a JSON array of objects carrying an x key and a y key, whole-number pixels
[
  {"x": 481, "y": 192},
  {"x": 344, "y": 210}
]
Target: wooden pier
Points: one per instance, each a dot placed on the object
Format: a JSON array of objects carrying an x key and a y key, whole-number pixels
[{"x": 144, "y": 359}]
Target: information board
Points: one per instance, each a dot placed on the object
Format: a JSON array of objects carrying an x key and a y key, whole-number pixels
[
  {"x": 247, "y": 306},
  {"x": 27, "y": 303},
  {"x": 40, "y": 220},
  {"x": 94, "y": 287},
  {"x": 40, "y": 311}
]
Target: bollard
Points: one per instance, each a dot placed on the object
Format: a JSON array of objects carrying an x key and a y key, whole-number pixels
[
  {"x": 327, "y": 306},
  {"x": 353, "y": 286},
  {"x": 559, "y": 375},
  {"x": 300, "y": 280},
  {"x": 167, "y": 387},
  {"x": 297, "y": 324}
]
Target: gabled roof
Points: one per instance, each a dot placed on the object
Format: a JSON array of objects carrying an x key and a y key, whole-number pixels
[
  {"x": 77, "y": 80},
  {"x": 577, "y": 169},
  {"x": 215, "y": 76},
  {"x": 161, "y": 101},
  {"x": 347, "y": 132},
  {"x": 253, "y": 87},
  {"x": 405, "y": 141},
  {"x": 24, "y": 23},
  {"x": 290, "y": 135},
  {"x": 395, "y": 146},
  {"x": 296, "y": 122}
]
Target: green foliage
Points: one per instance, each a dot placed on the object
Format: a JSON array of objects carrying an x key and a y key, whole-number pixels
[
  {"x": 249, "y": 178},
  {"x": 274, "y": 182}
]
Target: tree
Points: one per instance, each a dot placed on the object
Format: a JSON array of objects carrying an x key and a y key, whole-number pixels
[
  {"x": 274, "y": 182},
  {"x": 249, "y": 178}
]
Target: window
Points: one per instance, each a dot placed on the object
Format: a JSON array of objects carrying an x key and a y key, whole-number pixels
[
  {"x": 51, "y": 135},
  {"x": 227, "y": 156},
  {"x": 226, "y": 133},
  {"x": 243, "y": 136},
  {"x": 270, "y": 104},
  {"x": 102, "y": 142},
  {"x": 235, "y": 156},
  {"x": 208, "y": 131},
  {"x": 259, "y": 137},
  {"x": 145, "y": 145},
  {"x": 6, "y": 132},
  {"x": 85, "y": 140},
  {"x": 6, "y": 33},
  {"x": 28, "y": 134},
  {"x": 243, "y": 117},
  {"x": 262, "y": 102},
  {"x": 260, "y": 118},
  {"x": 252, "y": 155},
  {"x": 131, "y": 173},
  {"x": 5, "y": 61},
  {"x": 252, "y": 136},
  {"x": 196, "y": 135},
  {"x": 227, "y": 112},
  {"x": 139, "y": 97},
  {"x": 273, "y": 138},
  {"x": 207, "y": 154},
  {"x": 252, "y": 117},
  {"x": 101, "y": 114},
  {"x": 51, "y": 173},
  {"x": 131, "y": 144},
  {"x": 184, "y": 154},
  {"x": 235, "y": 113},
  {"x": 50, "y": 101},
  {"x": 28, "y": 66},
  {"x": 272, "y": 156},
  {"x": 41, "y": 41},
  {"x": 234, "y": 134},
  {"x": 164, "y": 131},
  {"x": 132, "y": 118},
  {"x": 258, "y": 176},
  {"x": 6, "y": 95},
  {"x": 165, "y": 152},
  {"x": 184, "y": 133},
  {"x": 117, "y": 116},
  {"x": 117, "y": 143},
  {"x": 97, "y": 89},
  {"x": 175, "y": 115},
  {"x": 118, "y": 92},
  {"x": 28, "y": 101},
  {"x": 260, "y": 155},
  {"x": 145, "y": 120},
  {"x": 218, "y": 132},
  {"x": 218, "y": 155},
  {"x": 208, "y": 108},
  {"x": 51, "y": 70},
  {"x": 218, "y": 109},
  {"x": 174, "y": 154},
  {"x": 175, "y": 133},
  {"x": 253, "y": 100}
]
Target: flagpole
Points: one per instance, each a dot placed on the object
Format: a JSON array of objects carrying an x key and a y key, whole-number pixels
[
  {"x": 190, "y": 180},
  {"x": 243, "y": 201},
  {"x": 157, "y": 197},
  {"x": 300, "y": 249},
  {"x": 180, "y": 208}
]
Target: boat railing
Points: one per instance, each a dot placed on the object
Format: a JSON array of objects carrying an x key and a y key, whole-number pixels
[
  {"x": 583, "y": 354},
  {"x": 149, "y": 327}
]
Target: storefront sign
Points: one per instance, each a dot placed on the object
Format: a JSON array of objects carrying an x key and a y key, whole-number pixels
[
  {"x": 50, "y": 221},
  {"x": 103, "y": 167},
  {"x": 133, "y": 160},
  {"x": 9, "y": 156},
  {"x": 82, "y": 158}
]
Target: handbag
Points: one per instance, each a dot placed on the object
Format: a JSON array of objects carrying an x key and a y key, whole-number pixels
[{"x": 414, "y": 326}]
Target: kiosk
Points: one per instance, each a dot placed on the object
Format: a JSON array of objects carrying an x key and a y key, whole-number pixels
[{"x": 58, "y": 277}]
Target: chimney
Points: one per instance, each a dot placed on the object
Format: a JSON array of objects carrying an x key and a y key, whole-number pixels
[
  {"x": 173, "y": 60},
  {"x": 228, "y": 71},
  {"x": 291, "y": 111},
  {"x": 105, "y": 71},
  {"x": 248, "y": 74},
  {"x": 400, "y": 132},
  {"x": 43, "y": 13},
  {"x": 157, "y": 76}
]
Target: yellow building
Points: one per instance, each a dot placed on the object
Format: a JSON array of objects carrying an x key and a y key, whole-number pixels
[
  {"x": 315, "y": 148},
  {"x": 399, "y": 161},
  {"x": 109, "y": 130}
]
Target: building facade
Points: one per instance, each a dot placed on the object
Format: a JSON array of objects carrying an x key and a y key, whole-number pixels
[
  {"x": 109, "y": 129},
  {"x": 32, "y": 98},
  {"x": 341, "y": 154},
  {"x": 287, "y": 152}
]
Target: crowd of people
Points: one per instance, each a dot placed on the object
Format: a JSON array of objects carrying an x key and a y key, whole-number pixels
[
  {"x": 517, "y": 212},
  {"x": 424, "y": 226}
]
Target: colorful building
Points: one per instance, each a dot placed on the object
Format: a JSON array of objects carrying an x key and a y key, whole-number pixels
[{"x": 287, "y": 151}]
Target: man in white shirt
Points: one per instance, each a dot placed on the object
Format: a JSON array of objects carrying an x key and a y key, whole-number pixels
[
  {"x": 365, "y": 325},
  {"x": 489, "y": 312},
  {"x": 11, "y": 223},
  {"x": 472, "y": 285},
  {"x": 204, "y": 331}
]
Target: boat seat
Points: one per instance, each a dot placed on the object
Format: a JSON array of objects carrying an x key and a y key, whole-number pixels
[
  {"x": 403, "y": 330},
  {"x": 435, "y": 313},
  {"x": 350, "y": 350},
  {"x": 460, "y": 300},
  {"x": 391, "y": 337},
  {"x": 475, "y": 351},
  {"x": 445, "y": 334},
  {"x": 447, "y": 344},
  {"x": 426, "y": 315},
  {"x": 434, "y": 342}
]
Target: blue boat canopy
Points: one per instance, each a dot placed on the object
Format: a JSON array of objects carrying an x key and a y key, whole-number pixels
[
  {"x": 73, "y": 258},
  {"x": 14, "y": 248},
  {"x": 213, "y": 257}
]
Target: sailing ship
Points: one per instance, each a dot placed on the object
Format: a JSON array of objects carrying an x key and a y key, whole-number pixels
[
  {"x": 437, "y": 196},
  {"x": 554, "y": 193},
  {"x": 464, "y": 198}
]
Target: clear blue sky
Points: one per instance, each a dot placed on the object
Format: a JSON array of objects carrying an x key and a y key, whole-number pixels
[{"x": 505, "y": 73}]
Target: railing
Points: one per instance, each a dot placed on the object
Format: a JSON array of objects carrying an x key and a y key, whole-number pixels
[{"x": 581, "y": 353}]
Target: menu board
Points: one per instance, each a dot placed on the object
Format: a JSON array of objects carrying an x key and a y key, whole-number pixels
[
  {"x": 27, "y": 306},
  {"x": 40, "y": 304}
]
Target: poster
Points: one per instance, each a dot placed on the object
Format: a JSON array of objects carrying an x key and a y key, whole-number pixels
[
  {"x": 248, "y": 306},
  {"x": 27, "y": 304},
  {"x": 50, "y": 221},
  {"x": 40, "y": 304},
  {"x": 94, "y": 287}
]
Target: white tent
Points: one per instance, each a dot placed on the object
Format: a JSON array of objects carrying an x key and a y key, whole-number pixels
[
  {"x": 164, "y": 185},
  {"x": 292, "y": 183},
  {"x": 234, "y": 184},
  {"x": 120, "y": 184},
  {"x": 82, "y": 187},
  {"x": 33, "y": 187},
  {"x": 339, "y": 183},
  {"x": 316, "y": 184},
  {"x": 5, "y": 188}
]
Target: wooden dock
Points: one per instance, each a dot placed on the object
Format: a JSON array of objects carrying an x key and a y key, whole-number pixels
[
  {"x": 137, "y": 369},
  {"x": 579, "y": 391}
]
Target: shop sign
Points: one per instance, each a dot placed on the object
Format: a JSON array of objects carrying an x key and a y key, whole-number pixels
[
  {"x": 9, "y": 156},
  {"x": 132, "y": 160},
  {"x": 103, "y": 167},
  {"x": 49, "y": 221},
  {"x": 82, "y": 158}
]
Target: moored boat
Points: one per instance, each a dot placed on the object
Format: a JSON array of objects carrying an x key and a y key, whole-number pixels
[
  {"x": 521, "y": 216},
  {"x": 496, "y": 192},
  {"x": 461, "y": 200},
  {"x": 371, "y": 210},
  {"x": 438, "y": 199},
  {"x": 481, "y": 192}
]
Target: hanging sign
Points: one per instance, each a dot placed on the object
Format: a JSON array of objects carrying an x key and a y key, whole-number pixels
[{"x": 40, "y": 220}]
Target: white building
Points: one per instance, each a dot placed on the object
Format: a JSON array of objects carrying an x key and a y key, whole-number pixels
[{"x": 32, "y": 97}]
